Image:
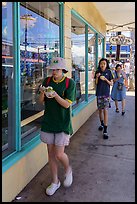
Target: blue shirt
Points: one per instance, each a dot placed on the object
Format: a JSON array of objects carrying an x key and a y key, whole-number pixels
[{"x": 103, "y": 88}]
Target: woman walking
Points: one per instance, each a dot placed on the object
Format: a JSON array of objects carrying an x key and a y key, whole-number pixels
[{"x": 118, "y": 92}]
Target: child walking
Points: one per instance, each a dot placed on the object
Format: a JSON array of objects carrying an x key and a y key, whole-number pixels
[
  {"x": 103, "y": 80},
  {"x": 56, "y": 126}
]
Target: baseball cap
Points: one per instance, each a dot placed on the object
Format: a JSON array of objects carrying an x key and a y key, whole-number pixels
[{"x": 58, "y": 63}]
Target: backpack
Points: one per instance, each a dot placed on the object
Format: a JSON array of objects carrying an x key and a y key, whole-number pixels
[{"x": 67, "y": 81}]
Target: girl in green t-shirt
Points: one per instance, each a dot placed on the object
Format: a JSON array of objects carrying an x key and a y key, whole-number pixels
[{"x": 56, "y": 126}]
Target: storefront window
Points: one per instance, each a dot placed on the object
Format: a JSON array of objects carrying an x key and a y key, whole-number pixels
[
  {"x": 8, "y": 137},
  {"x": 91, "y": 61},
  {"x": 100, "y": 47},
  {"x": 39, "y": 42},
  {"x": 78, "y": 56}
]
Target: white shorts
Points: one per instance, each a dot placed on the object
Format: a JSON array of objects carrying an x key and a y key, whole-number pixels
[{"x": 59, "y": 139}]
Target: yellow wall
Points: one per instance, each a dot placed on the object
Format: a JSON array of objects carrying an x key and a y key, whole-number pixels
[
  {"x": 83, "y": 115},
  {"x": 89, "y": 12},
  {"x": 20, "y": 174}
]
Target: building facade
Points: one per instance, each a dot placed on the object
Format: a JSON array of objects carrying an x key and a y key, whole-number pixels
[{"x": 33, "y": 33}]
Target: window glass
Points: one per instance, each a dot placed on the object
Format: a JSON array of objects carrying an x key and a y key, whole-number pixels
[
  {"x": 78, "y": 56},
  {"x": 100, "y": 47},
  {"x": 39, "y": 42},
  {"x": 8, "y": 137},
  {"x": 91, "y": 61}
]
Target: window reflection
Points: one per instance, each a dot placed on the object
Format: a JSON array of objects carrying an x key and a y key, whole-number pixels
[
  {"x": 39, "y": 42},
  {"x": 100, "y": 47},
  {"x": 78, "y": 56},
  {"x": 8, "y": 138},
  {"x": 91, "y": 61}
]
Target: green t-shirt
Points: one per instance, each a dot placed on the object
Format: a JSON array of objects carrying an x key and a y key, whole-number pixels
[{"x": 57, "y": 118}]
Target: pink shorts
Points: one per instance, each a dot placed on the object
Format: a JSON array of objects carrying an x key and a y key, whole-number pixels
[{"x": 59, "y": 139}]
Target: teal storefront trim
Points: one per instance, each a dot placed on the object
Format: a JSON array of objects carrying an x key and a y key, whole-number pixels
[
  {"x": 16, "y": 54},
  {"x": 15, "y": 157},
  {"x": 83, "y": 105},
  {"x": 73, "y": 12},
  {"x": 87, "y": 99},
  {"x": 79, "y": 17},
  {"x": 21, "y": 151},
  {"x": 61, "y": 28},
  {"x": 103, "y": 47},
  {"x": 96, "y": 50},
  {"x": 86, "y": 62}
]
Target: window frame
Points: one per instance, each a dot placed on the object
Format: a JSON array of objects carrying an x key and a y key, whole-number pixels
[
  {"x": 88, "y": 99},
  {"x": 22, "y": 150}
]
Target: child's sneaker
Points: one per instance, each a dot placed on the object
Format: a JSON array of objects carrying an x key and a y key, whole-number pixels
[
  {"x": 68, "y": 178},
  {"x": 109, "y": 105},
  {"x": 101, "y": 127},
  {"x": 105, "y": 135},
  {"x": 117, "y": 110},
  {"x": 51, "y": 189}
]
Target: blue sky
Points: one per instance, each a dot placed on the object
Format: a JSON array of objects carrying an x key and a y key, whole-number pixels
[{"x": 42, "y": 32}]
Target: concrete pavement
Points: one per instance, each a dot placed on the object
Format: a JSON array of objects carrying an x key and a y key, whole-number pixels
[{"x": 104, "y": 170}]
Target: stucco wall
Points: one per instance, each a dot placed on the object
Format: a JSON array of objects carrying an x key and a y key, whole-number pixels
[
  {"x": 83, "y": 115},
  {"x": 20, "y": 174},
  {"x": 89, "y": 12}
]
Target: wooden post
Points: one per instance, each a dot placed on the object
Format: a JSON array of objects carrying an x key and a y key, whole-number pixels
[{"x": 118, "y": 49}]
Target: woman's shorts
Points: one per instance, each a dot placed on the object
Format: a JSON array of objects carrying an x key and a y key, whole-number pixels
[
  {"x": 103, "y": 102},
  {"x": 59, "y": 139}
]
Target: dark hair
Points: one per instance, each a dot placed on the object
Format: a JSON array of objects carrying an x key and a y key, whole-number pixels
[
  {"x": 104, "y": 59},
  {"x": 118, "y": 65}
]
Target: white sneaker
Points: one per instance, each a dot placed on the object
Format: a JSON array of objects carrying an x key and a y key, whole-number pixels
[
  {"x": 51, "y": 189},
  {"x": 68, "y": 178}
]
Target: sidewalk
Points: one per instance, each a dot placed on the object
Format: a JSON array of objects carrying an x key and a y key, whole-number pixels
[{"x": 104, "y": 170}]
